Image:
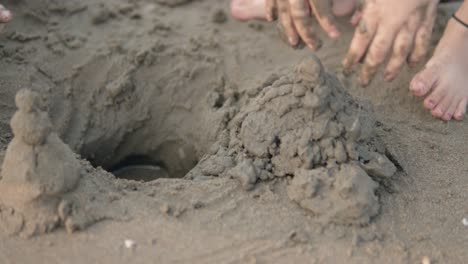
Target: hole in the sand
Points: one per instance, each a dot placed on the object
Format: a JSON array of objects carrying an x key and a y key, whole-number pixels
[
  {"x": 140, "y": 168},
  {"x": 172, "y": 159}
]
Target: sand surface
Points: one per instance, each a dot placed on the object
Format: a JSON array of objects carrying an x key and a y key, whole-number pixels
[{"x": 196, "y": 97}]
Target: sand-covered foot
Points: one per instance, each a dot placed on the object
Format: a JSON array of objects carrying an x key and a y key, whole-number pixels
[
  {"x": 444, "y": 80},
  {"x": 5, "y": 15}
]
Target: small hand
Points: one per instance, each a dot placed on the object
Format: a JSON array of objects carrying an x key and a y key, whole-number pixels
[
  {"x": 297, "y": 19},
  {"x": 398, "y": 27}
]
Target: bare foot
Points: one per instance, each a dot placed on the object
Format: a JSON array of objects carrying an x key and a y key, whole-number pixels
[
  {"x": 5, "y": 15},
  {"x": 445, "y": 77},
  {"x": 256, "y": 9}
]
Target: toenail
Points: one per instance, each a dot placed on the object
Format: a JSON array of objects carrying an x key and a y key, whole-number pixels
[
  {"x": 438, "y": 112},
  {"x": 458, "y": 116},
  {"x": 430, "y": 104},
  {"x": 419, "y": 86},
  {"x": 447, "y": 116}
]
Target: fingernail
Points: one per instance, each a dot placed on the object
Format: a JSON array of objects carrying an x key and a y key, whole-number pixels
[
  {"x": 387, "y": 76},
  {"x": 292, "y": 41},
  {"x": 412, "y": 63},
  {"x": 334, "y": 34}
]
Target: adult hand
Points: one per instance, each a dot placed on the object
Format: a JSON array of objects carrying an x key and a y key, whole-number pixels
[
  {"x": 402, "y": 28},
  {"x": 297, "y": 18}
]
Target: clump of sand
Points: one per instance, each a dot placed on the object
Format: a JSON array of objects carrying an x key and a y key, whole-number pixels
[
  {"x": 39, "y": 186},
  {"x": 304, "y": 125}
]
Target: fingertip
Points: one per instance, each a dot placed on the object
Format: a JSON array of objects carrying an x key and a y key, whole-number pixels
[
  {"x": 364, "y": 81},
  {"x": 292, "y": 40},
  {"x": 334, "y": 34},
  {"x": 389, "y": 76}
]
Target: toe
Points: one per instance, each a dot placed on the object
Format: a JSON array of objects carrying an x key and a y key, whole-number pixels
[
  {"x": 5, "y": 15},
  {"x": 448, "y": 115},
  {"x": 460, "y": 110},
  {"x": 434, "y": 99},
  {"x": 424, "y": 81},
  {"x": 441, "y": 108}
]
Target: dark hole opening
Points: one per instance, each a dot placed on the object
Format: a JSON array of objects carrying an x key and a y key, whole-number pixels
[
  {"x": 172, "y": 159},
  {"x": 140, "y": 168}
]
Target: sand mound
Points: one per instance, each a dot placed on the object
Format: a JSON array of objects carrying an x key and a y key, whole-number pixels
[
  {"x": 39, "y": 187},
  {"x": 301, "y": 125},
  {"x": 305, "y": 125}
]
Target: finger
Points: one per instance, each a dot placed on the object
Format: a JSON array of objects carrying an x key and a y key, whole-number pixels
[
  {"x": 270, "y": 6},
  {"x": 378, "y": 50},
  {"x": 362, "y": 37},
  {"x": 423, "y": 35},
  {"x": 322, "y": 10},
  {"x": 5, "y": 15},
  {"x": 286, "y": 22},
  {"x": 356, "y": 18},
  {"x": 304, "y": 23},
  {"x": 402, "y": 47}
]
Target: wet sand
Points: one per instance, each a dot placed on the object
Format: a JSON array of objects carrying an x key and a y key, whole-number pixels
[{"x": 124, "y": 78}]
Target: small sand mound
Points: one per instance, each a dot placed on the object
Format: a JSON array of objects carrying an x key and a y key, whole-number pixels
[
  {"x": 39, "y": 187},
  {"x": 306, "y": 126}
]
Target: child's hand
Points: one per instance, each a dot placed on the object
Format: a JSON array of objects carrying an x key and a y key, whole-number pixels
[
  {"x": 297, "y": 18},
  {"x": 402, "y": 28}
]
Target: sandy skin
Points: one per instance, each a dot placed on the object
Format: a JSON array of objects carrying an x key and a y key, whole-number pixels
[
  {"x": 296, "y": 16},
  {"x": 379, "y": 36}
]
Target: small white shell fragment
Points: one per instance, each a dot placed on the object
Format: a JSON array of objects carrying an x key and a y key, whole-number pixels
[
  {"x": 465, "y": 222},
  {"x": 426, "y": 260},
  {"x": 130, "y": 243}
]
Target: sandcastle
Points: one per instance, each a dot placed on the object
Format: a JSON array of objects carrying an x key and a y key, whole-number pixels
[
  {"x": 302, "y": 126},
  {"x": 39, "y": 175}
]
